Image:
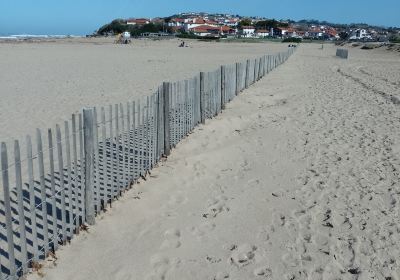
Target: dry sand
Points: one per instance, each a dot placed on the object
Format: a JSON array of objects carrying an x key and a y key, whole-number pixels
[
  {"x": 43, "y": 83},
  {"x": 297, "y": 179}
]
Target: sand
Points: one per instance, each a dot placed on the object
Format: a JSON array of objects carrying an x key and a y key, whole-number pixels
[
  {"x": 297, "y": 179},
  {"x": 43, "y": 83}
]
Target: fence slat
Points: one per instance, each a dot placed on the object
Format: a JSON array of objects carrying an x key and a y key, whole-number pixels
[
  {"x": 53, "y": 201},
  {"x": 104, "y": 155},
  {"x": 21, "y": 214},
  {"x": 32, "y": 200},
  {"x": 62, "y": 185},
  {"x": 112, "y": 167},
  {"x": 76, "y": 172},
  {"x": 82, "y": 169},
  {"x": 96, "y": 162},
  {"x": 117, "y": 152},
  {"x": 166, "y": 109},
  {"x": 69, "y": 179},
  {"x": 134, "y": 165},
  {"x": 129, "y": 146},
  {"x": 7, "y": 209},
  {"x": 42, "y": 192}
]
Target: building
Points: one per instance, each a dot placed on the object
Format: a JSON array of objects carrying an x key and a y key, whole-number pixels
[
  {"x": 262, "y": 33},
  {"x": 138, "y": 21},
  {"x": 176, "y": 22},
  {"x": 208, "y": 30},
  {"x": 193, "y": 22},
  {"x": 359, "y": 34},
  {"x": 248, "y": 31},
  {"x": 205, "y": 30}
]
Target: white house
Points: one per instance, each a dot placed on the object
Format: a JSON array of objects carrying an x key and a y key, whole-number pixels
[
  {"x": 262, "y": 33},
  {"x": 359, "y": 34},
  {"x": 231, "y": 22},
  {"x": 192, "y": 23},
  {"x": 248, "y": 31},
  {"x": 176, "y": 22}
]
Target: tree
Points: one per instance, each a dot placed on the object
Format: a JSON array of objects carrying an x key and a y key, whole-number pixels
[
  {"x": 245, "y": 22},
  {"x": 116, "y": 26},
  {"x": 343, "y": 35},
  {"x": 271, "y": 23}
]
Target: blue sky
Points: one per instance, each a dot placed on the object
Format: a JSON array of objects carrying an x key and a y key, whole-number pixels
[{"x": 84, "y": 16}]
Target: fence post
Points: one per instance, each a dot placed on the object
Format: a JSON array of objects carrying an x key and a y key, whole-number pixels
[
  {"x": 223, "y": 87},
  {"x": 202, "y": 101},
  {"x": 167, "y": 131},
  {"x": 237, "y": 68},
  {"x": 246, "y": 81},
  {"x": 88, "y": 151}
]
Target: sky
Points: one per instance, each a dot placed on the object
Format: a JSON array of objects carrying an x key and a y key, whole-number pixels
[{"x": 80, "y": 17}]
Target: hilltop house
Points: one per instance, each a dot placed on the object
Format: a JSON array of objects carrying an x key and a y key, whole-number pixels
[
  {"x": 195, "y": 22},
  {"x": 138, "y": 21},
  {"x": 176, "y": 22},
  {"x": 208, "y": 30}
]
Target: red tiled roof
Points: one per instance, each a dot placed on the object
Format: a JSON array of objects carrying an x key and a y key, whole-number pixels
[
  {"x": 211, "y": 22},
  {"x": 139, "y": 20},
  {"x": 199, "y": 20},
  {"x": 204, "y": 28},
  {"x": 208, "y": 28},
  {"x": 226, "y": 29},
  {"x": 178, "y": 20}
]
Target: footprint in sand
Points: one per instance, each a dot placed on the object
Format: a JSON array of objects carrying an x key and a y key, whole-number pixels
[
  {"x": 216, "y": 206},
  {"x": 278, "y": 219},
  {"x": 264, "y": 272},
  {"x": 344, "y": 253},
  {"x": 203, "y": 229},
  {"x": 221, "y": 276},
  {"x": 243, "y": 255},
  {"x": 172, "y": 239},
  {"x": 160, "y": 267},
  {"x": 199, "y": 169},
  {"x": 177, "y": 199},
  {"x": 290, "y": 260}
]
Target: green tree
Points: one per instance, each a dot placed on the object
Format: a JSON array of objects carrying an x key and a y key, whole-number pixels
[
  {"x": 245, "y": 22},
  {"x": 116, "y": 26}
]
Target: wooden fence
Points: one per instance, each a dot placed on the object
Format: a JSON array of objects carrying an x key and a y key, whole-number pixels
[
  {"x": 54, "y": 191},
  {"x": 343, "y": 53}
]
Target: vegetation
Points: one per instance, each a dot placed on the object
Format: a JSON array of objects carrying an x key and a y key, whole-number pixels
[
  {"x": 119, "y": 25},
  {"x": 395, "y": 39},
  {"x": 245, "y": 22},
  {"x": 291, "y": 40},
  {"x": 270, "y": 23},
  {"x": 186, "y": 35}
]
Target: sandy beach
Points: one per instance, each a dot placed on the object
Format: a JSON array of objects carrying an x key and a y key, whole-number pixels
[
  {"x": 297, "y": 179},
  {"x": 43, "y": 83}
]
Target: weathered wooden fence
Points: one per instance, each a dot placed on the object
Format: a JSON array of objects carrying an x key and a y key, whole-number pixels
[
  {"x": 343, "y": 53},
  {"x": 69, "y": 175}
]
